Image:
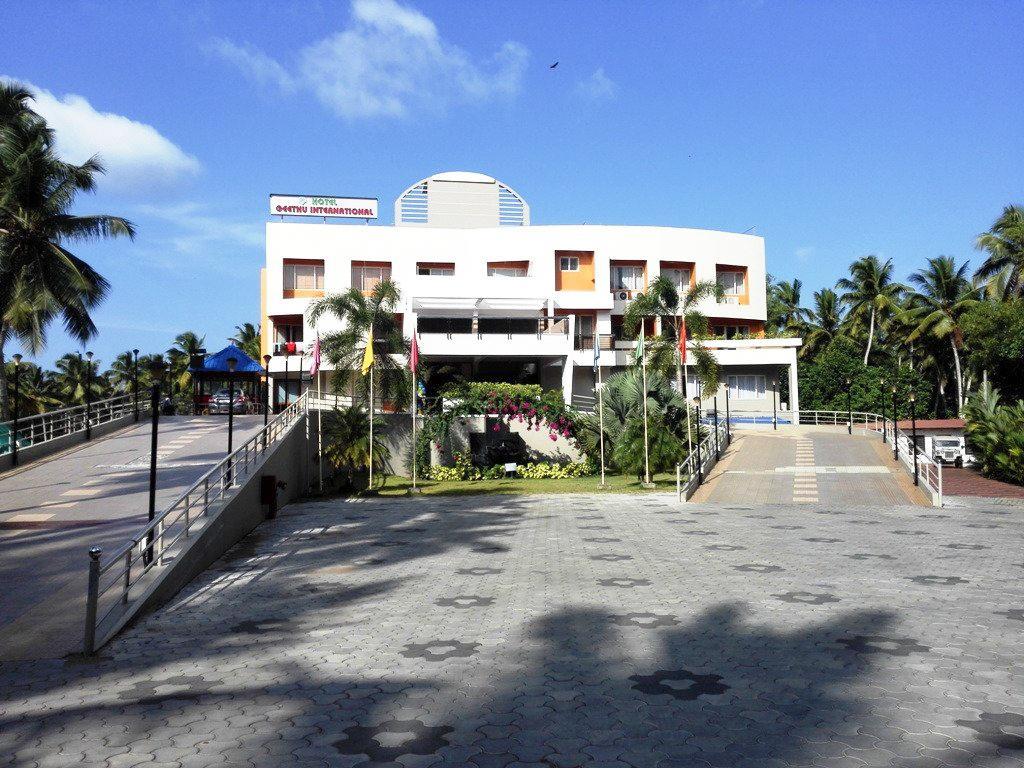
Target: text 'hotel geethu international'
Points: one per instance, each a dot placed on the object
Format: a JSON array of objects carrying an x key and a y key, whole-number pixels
[{"x": 500, "y": 300}]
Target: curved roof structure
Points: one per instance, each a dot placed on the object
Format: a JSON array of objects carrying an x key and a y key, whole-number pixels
[{"x": 461, "y": 199}]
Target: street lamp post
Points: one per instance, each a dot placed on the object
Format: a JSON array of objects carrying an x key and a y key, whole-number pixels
[
  {"x": 895, "y": 429},
  {"x": 700, "y": 470},
  {"x": 266, "y": 390},
  {"x": 775, "y": 408},
  {"x": 135, "y": 382},
  {"x": 728, "y": 422},
  {"x": 718, "y": 447},
  {"x": 88, "y": 400},
  {"x": 232, "y": 364},
  {"x": 884, "y": 424},
  {"x": 14, "y": 433},
  {"x": 157, "y": 369},
  {"x": 849, "y": 407},
  {"x": 913, "y": 433}
]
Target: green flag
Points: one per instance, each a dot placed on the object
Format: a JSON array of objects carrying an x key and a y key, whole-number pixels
[{"x": 640, "y": 347}]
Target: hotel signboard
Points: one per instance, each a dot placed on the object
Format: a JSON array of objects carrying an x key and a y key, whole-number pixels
[{"x": 324, "y": 206}]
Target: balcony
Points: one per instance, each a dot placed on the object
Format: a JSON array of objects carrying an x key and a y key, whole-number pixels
[
  {"x": 289, "y": 348},
  {"x": 509, "y": 336},
  {"x": 582, "y": 341}
]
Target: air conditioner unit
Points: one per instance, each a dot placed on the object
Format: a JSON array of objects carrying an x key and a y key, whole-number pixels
[
  {"x": 731, "y": 300},
  {"x": 623, "y": 295}
]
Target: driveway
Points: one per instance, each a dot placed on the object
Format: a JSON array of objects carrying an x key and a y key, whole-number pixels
[{"x": 562, "y": 631}]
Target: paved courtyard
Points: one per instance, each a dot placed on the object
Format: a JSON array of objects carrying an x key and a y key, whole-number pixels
[{"x": 562, "y": 631}]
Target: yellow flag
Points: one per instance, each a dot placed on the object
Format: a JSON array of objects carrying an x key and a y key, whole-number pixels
[{"x": 368, "y": 354}]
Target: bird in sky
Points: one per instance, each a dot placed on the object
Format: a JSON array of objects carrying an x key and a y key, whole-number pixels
[{"x": 553, "y": 65}]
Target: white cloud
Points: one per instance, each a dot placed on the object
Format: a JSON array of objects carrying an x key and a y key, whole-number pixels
[
  {"x": 203, "y": 234},
  {"x": 598, "y": 86},
  {"x": 255, "y": 64},
  {"x": 133, "y": 152},
  {"x": 389, "y": 61},
  {"x": 805, "y": 253}
]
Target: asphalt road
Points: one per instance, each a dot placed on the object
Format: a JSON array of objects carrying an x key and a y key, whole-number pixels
[{"x": 54, "y": 510}]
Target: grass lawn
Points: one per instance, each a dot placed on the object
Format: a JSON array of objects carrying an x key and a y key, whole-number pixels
[{"x": 397, "y": 486}]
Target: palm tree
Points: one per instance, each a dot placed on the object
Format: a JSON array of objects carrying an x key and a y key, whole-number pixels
[
  {"x": 344, "y": 349},
  {"x": 179, "y": 356},
  {"x": 247, "y": 338},
  {"x": 662, "y": 299},
  {"x": 35, "y": 389},
  {"x": 347, "y": 444},
  {"x": 40, "y": 279},
  {"x": 70, "y": 376},
  {"x": 943, "y": 295},
  {"x": 121, "y": 374},
  {"x": 824, "y": 322},
  {"x": 791, "y": 316},
  {"x": 1004, "y": 244},
  {"x": 870, "y": 294}
]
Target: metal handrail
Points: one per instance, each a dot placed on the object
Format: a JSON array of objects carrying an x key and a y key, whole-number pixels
[
  {"x": 44, "y": 427},
  {"x": 128, "y": 564},
  {"x": 708, "y": 450}
]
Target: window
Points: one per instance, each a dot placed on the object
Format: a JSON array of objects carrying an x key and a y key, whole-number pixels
[
  {"x": 746, "y": 387},
  {"x": 731, "y": 331},
  {"x": 680, "y": 278},
  {"x": 303, "y": 277},
  {"x": 505, "y": 271},
  {"x": 627, "y": 277},
  {"x": 569, "y": 263},
  {"x": 437, "y": 270},
  {"x": 366, "y": 277},
  {"x": 731, "y": 281}
]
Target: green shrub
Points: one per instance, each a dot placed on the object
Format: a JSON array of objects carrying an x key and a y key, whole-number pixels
[
  {"x": 548, "y": 470},
  {"x": 488, "y": 390},
  {"x": 463, "y": 470},
  {"x": 996, "y": 435}
]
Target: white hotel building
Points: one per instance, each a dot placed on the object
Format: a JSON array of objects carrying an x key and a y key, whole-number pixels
[{"x": 502, "y": 300}]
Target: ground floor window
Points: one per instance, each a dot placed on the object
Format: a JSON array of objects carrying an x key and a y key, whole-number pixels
[{"x": 747, "y": 387}]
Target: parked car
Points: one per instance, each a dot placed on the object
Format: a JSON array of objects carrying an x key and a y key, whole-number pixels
[
  {"x": 221, "y": 398},
  {"x": 951, "y": 450}
]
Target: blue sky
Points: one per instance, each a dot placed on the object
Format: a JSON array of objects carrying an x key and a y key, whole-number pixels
[{"x": 836, "y": 129}]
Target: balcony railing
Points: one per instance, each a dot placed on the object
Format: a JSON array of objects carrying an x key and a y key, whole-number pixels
[
  {"x": 290, "y": 348},
  {"x": 586, "y": 341},
  {"x": 508, "y": 327}
]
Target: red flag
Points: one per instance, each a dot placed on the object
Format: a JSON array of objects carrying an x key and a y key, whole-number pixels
[
  {"x": 414, "y": 355},
  {"x": 682, "y": 342}
]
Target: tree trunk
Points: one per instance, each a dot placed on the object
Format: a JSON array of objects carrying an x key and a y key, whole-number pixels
[
  {"x": 959, "y": 378},
  {"x": 871, "y": 336},
  {"x": 4, "y": 408}
]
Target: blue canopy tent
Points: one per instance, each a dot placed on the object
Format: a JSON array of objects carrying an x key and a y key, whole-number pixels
[{"x": 212, "y": 372}]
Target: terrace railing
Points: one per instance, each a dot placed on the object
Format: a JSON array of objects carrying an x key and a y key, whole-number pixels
[
  {"x": 114, "y": 576},
  {"x": 44, "y": 427}
]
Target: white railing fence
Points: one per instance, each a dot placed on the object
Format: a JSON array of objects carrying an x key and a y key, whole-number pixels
[
  {"x": 701, "y": 459},
  {"x": 44, "y": 427},
  {"x": 112, "y": 576}
]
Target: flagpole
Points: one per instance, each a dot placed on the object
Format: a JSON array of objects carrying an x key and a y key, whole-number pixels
[
  {"x": 600, "y": 412},
  {"x": 647, "y": 457},
  {"x": 414, "y": 419},
  {"x": 319, "y": 418},
  {"x": 370, "y": 488}
]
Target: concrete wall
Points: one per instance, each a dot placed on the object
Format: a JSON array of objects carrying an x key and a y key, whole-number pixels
[
  {"x": 538, "y": 442},
  {"x": 290, "y": 463},
  {"x": 38, "y": 451}
]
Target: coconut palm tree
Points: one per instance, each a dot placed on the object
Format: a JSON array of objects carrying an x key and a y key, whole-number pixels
[
  {"x": 870, "y": 294},
  {"x": 1004, "y": 244},
  {"x": 791, "y": 316},
  {"x": 944, "y": 293},
  {"x": 121, "y": 374},
  {"x": 35, "y": 389},
  {"x": 247, "y": 339},
  {"x": 662, "y": 299},
  {"x": 824, "y": 322},
  {"x": 40, "y": 278},
  {"x": 179, "y": 356},
  {"x": 70, "y": 376},
  {"x": 345, "y": 349}
]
